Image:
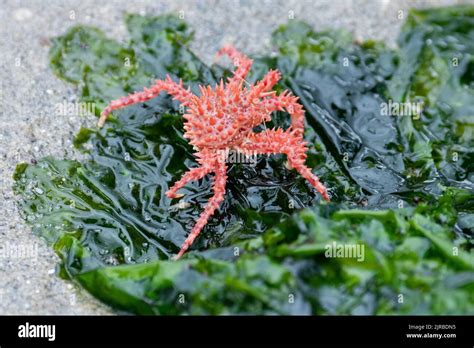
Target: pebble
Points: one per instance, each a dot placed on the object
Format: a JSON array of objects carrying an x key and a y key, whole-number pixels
[{"x": 22, "y": 14}]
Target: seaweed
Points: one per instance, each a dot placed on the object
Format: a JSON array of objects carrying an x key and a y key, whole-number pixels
[{"x": 401, "y": 186}]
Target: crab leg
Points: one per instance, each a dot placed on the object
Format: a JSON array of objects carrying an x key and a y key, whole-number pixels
[
  {"x": 289, "y": 102},
  {"x": 240, "y": 60},
  {"x": 175, "y": 89},
  {"x": 191, "y": 175},
  {"x": 220, "y": 179},
  {"x": 288, "y": 143},
  {"x": 264, "y": 85}
]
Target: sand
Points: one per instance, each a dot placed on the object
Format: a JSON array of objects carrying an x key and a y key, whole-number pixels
[{"x": 30, "y": 129}]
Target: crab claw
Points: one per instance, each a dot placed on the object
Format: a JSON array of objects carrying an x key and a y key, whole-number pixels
[{"x": 174, "y": 195}]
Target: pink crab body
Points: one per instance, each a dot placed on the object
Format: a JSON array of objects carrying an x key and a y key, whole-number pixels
[{"x": 222, "y": 119}]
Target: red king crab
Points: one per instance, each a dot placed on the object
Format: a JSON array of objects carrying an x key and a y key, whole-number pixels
[{"x": 222, "y": 119}]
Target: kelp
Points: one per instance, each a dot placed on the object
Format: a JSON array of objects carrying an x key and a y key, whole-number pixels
[{"x": 401, "y": 187}]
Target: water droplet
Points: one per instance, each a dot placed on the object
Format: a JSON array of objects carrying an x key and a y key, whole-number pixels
[
  {"x": 38, "y": 190},
  {"x": 111, "y": 260},
  {"x": 183, "y": 205},
  {"x": 126, "y": 157},
  {"x": 30, "y": 218},
  {"x": 147, "y": 217}
]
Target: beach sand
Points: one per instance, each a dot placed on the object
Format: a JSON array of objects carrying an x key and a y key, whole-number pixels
[{"x": 29, "y": 91}]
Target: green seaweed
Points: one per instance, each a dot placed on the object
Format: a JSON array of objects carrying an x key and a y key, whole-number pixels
[{"x": 401, "y": 187}]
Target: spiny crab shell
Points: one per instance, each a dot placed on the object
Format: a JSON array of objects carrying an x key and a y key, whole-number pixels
[
  {"x": 223, "y": 119},
  {"x": 225, "y": 116}
]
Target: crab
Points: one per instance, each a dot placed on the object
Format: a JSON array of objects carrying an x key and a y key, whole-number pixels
[{"x": 223, "y": 119}]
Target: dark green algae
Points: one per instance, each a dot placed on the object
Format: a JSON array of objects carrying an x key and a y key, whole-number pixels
[{"x": 400, "y": 186}]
